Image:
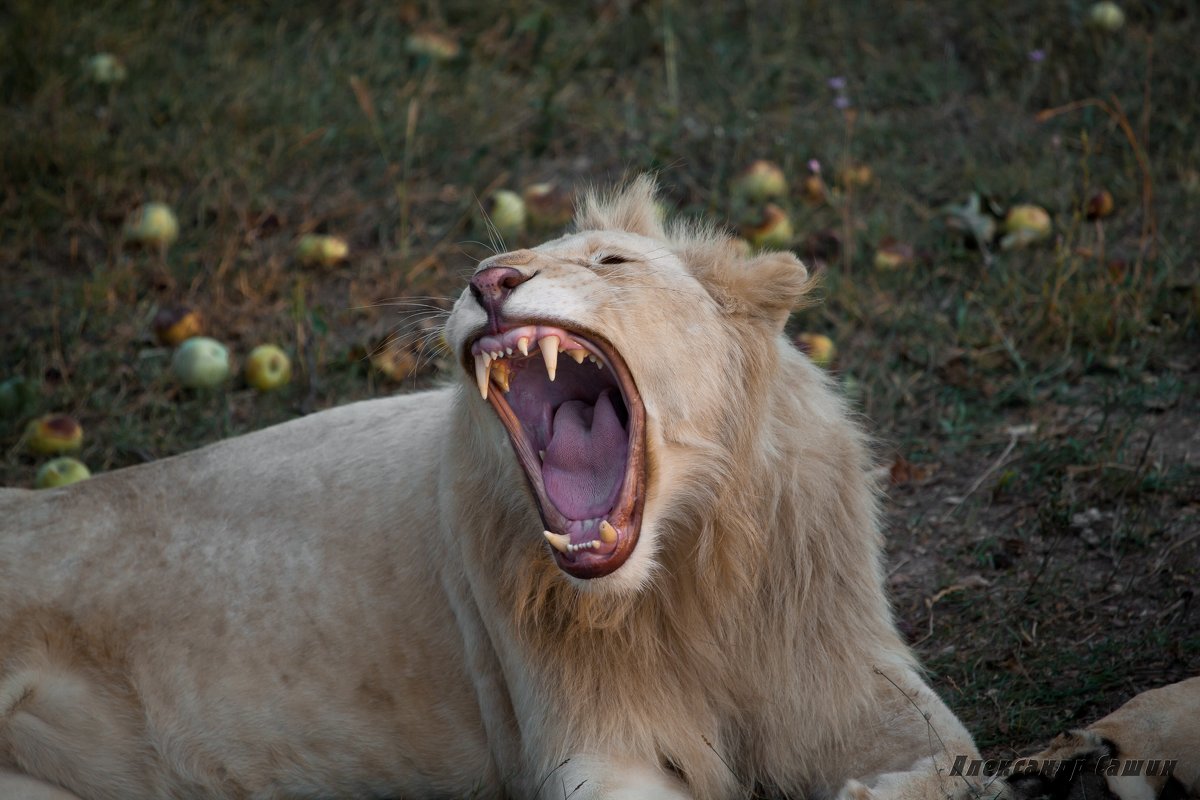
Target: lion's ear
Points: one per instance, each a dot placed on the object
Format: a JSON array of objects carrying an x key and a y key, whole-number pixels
[{"x": 766, "y": 287}]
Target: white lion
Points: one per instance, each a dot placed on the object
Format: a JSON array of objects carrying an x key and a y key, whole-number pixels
[{"x": 362, "y": 603}]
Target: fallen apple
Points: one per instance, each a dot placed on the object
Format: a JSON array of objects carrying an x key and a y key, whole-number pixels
[
  {"x": 201, "y": 363},
  {"x": 315, "y": 249},
  {"x": 434, "y": 46},
  {"x": 504, "y": 212},
  {"x": 1025, "y": 224},
  {"x": 1100, "y": 205},
  {"x": 772, "y": 230},
  {"x": 175, "y": 324},
  {"x": 547, "y": 205},
  {"x": 892, "y": 254},
  {"x": 268, "y": 367},
  {"x": 394, "y": 363},
  {"x": 54, "y": 433},
  {"x": 814, "y": 190},
  {"x": 152, "y": 224},
  {"x": 856, "y": 176},
  {"x": 1105, "y": 16},
  {"x": 61, "y": 472},
  {"x": 761, "y": 180},
  {"x": 817, "y": 346},
  {"x": 105, "y": 68},
  {"x": 16, "y": 398}
]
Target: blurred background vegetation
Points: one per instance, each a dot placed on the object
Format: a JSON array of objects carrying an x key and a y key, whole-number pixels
[{"x": 1037, "y": 405}]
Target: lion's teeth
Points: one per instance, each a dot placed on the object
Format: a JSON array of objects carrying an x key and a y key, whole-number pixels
[
  {"x": 559, "y": 542},
  {"x": 542, "y": 455},
  {"x": 523, "y": 345},
  {"x": 483, "y": 364},
  {"x": 608, "y": 534},
  {"x": 578, "y": 354},
  {"x": 549, "y": 345},
  {"x": 575, "y": 548}
]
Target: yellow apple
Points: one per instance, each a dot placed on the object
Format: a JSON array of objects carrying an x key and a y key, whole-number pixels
[
  {"x": 818, "y": 347},
  {"x": 314, "y": 249},
  {"x": 54, "y": 433},
  {"x": 152, "y": 224},
  {"x": 1025, "y": 224},
  {"x": 761, "y": 180},
  {"x": 176, "y": 324},
  {"x": 772, "y": 230},
  {"x": 267, "y": 368}
]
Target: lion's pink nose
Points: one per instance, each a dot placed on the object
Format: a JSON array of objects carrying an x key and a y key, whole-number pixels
[{"x": 491, "y": 287}]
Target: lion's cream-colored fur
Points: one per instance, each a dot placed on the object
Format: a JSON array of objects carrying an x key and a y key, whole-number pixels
[{"x": 360, "y": 603}]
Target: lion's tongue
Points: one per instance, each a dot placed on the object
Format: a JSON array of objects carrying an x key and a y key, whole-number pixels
[{"x": 585, "y": 459}]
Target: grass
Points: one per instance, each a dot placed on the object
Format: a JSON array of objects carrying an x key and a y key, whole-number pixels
[{"x": 259, "y": 125}]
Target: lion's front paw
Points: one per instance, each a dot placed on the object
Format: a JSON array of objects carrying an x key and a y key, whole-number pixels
[
  {"x": 919, "y": 785},
  {"x": 854, "y": 790}
]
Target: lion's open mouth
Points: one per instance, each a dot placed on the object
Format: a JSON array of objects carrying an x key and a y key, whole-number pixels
[{"x": 577, "y": 424}]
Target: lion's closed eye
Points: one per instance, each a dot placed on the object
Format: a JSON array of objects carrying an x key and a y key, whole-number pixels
[{"x": 612, "y": 258}]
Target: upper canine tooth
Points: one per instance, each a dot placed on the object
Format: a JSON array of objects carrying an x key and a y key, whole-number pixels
[
  {"x": 549, "y": 345},
  {"x": 608, "y": 534},
  {"x": 558, "y": 541},
  {"x": 578, "y": 355},
  {"x": 483, "y": 367},
  {"x": 523, "y": 345}
]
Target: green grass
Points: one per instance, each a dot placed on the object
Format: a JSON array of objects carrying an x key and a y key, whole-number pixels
[{"x": 259, "y": 125}]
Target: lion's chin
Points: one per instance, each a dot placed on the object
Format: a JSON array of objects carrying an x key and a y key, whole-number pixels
[{"x": 578, "y": 426}]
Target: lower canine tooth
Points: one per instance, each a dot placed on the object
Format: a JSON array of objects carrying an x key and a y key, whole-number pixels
[
  {"x": 608, "y": 534},
  {"x": 549, "y": 345},
  {"x": 558, "y": 541}
]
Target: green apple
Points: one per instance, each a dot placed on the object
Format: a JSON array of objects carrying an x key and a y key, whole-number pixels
[
  {"x": 772, "y": 230},
  {"x": 152, "y": 224},
  {"x": 16, "y": 398},
  {"x": 61, "y": 472},
  {"x": 1105, "y": 16},
  {"x": 105, "y": 68},
  {"x": 268, "y": 367},
  {"x": 175, "y": 324},
  {"x": 201, "y": 363},
  {"x": 324, "y": 251},
  {"x": 818, "y": 347},
  {"x": 505, "y": 210},
  {"x": 761, "y": 180},
  {"x": 54, "y": 433}
]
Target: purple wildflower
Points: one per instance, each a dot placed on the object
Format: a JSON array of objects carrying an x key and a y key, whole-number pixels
[
  {"x": 1037, "y": 56},
  {"x": 837, "y": 83}
]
